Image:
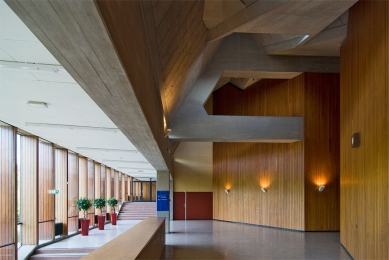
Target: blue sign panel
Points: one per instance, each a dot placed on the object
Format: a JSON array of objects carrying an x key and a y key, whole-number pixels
[{"x": 163, "y": 200}]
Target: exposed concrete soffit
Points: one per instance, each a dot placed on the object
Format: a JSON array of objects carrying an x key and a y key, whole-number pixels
[
  {"x": 74, "y": 33},
  {"x": 241, "y": 53},
  {"x": 333, "y": 34},
  {"x": 298, "y": 17}
]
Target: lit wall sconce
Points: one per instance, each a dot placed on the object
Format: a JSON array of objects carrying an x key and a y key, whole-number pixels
[
  {"x": 167, "y": 132},
  {"x": 321, "y": 188},
  {"x": 263, "y": 190},
  {"x": 227, "y": 191}
]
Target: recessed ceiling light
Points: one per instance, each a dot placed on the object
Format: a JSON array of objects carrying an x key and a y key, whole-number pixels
[
  {"x": 140, "y": 171},
  {"x": 37, "y": 104}
]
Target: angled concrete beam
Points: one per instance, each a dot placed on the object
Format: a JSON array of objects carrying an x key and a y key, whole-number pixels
[
  {"x": 242, "y": 17},
  {"x": 238, "y": 129},
  {"x": 240, "y": 52}
]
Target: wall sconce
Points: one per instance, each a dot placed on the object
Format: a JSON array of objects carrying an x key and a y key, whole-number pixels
[
  {"x": 263, "y": 190},
  {"x": 167, "y": 132},
  {"x": 227, "y": 191},
  {"x": 321, "y": 188}
]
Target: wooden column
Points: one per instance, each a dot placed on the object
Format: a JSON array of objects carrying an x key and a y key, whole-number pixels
[
  {"x": 7, "y": 192},
  {"x": 91, "y": 190},
  {"x": 109, "y": 183},
  {"x": 29, "y": 189},
  {"x": 129, "y": 188},
  {"x": 97, "y": 180},
  {"x": 45, "y": 185},
  {"x": 83, "y": 180},
  {"x": 103, "y": 185},
  {"x": 124, "y": 197},
  {"x": 72, "y": 192},
  {"x": 116, "y": 189},
  {"x": 61, "y": 178}
]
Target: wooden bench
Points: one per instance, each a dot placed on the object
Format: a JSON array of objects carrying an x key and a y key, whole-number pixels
[{"x": 146, "y": 240}]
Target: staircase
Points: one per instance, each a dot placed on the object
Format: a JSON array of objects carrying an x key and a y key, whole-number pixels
[
  {"x": 61, "y": 253},
  {"x": 137, "y": 210}
]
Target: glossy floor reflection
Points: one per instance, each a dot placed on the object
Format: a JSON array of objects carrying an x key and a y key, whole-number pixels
[{"x": 207, "y": 239}]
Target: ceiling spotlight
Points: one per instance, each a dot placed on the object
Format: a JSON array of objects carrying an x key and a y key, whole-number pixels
[
  {"x": 37, "y": 104},
  {"x": 227, "y": 191},
  {"x": 321, "y": 188},
  {"x": 263, "y": 190}
]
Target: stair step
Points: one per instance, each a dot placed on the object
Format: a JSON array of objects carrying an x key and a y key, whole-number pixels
[{"x": 67, "y": 256}]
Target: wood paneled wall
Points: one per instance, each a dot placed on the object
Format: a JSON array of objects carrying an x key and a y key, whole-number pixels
[
  {"x": 72, "y": 192},
  {"x": 45, "y": 183},
  {"x": 129, "y": 187},
  {"x": 289, "y": 172},
  {"x": 103, "y": 184},
  {"x": 116, "y": 189},
  {"x": 98, "y": 172},
  {"x": 109, "y": 183},
  {"x": 91, "y": 190},
  {"x": 123, "y": 188},
  {"x": 7, "y": 192},
  {"x": 29, "y": 189},
  {"x": 61, "y": 179},
  {"x": 321, "y": 151},
  {"x": 364, "y": 108}
]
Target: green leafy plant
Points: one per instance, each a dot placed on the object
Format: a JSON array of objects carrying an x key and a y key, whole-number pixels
[
  {"x": 112, "y": 202},
  {"x": 100, "y": 203},
  {"x": 84, "y": 204}
]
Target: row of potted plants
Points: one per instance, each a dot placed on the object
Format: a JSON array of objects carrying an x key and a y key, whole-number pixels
[{"x": 84, "y": 204}]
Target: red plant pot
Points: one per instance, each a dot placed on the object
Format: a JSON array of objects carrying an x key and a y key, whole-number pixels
[
  {"x": 101, "y": 221},
  {"x": 84, "y": 226},
  {"x": 113, "y": 218}
]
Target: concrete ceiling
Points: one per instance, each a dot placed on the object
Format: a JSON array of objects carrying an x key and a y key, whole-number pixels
[
  {"x": 184, "y": 50},
  {"x": 29, "y": 72}
]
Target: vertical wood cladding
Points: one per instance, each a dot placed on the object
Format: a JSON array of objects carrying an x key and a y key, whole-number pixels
[
  {"x": 364, "y": 97},
  {"x": 321, "y": 151},
  {"x": 61, "y": 178},
  {"x": 287, "y": 171},
  {"x": 29, "y": 189},
  {"x": 46, "y": 183},
  {"x": 7, "y": 191}
]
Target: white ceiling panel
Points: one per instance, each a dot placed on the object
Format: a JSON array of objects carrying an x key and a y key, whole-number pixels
[{"x": 68, "y": 106}]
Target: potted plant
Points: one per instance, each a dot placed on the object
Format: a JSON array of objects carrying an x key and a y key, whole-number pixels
[
  {"x": 100, "y": 203},
  {"x": 84, "y": 204},
  {"x": 112, "y": 202}
]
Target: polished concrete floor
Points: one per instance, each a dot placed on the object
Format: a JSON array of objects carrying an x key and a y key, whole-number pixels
[{"x": 224, "y": 240}]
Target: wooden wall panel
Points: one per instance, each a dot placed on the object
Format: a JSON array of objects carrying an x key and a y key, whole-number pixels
[
  {"x": 61, "y": 179},
  {"x": 108, "y": 181},
  {"x": 46, "y": 182},
  {"x": 97, "y": 172},
  {"x": 129, "y": 188},
  {"x": 364, "y": 223},
  {"x": 123, "y": 188},
  {"x": 7, "y": 192},
  {"x": 29, "y": 189},
  {"x": 91, "y": 190},
  {"x": 72, "y": 192},
  {"x": 287, "y": 171},
  {"x": 83, "y": 177},
  {"x": 103, "y": 184},
  {"x": 244, "y": 168},
  {"x": 321, "y": 149},
  {"x": 116, "y": 188}
]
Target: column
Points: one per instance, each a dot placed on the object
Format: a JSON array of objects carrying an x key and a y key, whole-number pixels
[
  {"x": 163, "y": 190},
  {"x": 129, "y": 188}
]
